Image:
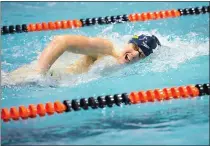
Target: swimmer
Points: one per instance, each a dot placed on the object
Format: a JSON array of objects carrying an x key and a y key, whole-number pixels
[{"x": 92, "y": 49}]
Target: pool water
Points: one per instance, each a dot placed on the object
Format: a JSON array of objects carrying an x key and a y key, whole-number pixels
[{"x": 183, "y": 60}]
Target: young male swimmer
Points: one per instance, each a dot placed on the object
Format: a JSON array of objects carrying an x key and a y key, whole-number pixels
[{"x": 138, "y": 47}]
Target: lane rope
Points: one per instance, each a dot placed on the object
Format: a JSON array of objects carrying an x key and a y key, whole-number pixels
[
  {"x": 72, "y": 24},
  {"x": 156, "y": 95}
]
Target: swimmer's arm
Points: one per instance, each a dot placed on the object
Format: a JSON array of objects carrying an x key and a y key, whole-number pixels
[{"x": 72, "y": 43}]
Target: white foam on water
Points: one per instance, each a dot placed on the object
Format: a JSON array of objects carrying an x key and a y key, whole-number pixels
[{"x": 175, "y": 52}]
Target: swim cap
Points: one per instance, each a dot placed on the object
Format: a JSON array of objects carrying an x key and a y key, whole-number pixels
[{"x": 145, "y": 43}]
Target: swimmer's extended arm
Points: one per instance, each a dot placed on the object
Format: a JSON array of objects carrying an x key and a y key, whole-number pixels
[{"x": 75, "y": 44}]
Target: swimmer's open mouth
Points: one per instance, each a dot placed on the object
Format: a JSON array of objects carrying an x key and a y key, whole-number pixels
[{"x": 127, "y": 58}]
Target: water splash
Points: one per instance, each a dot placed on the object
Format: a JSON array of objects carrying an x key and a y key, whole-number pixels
[{"x": 175, "y": 51}]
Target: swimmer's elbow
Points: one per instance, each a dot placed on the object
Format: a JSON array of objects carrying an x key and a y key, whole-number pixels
[
  {"x": 59, "y": 39},
  {"x": 61, "y": 42},
  {"x": 67, "y": 39},
  {"x": 73, "y": 41}
]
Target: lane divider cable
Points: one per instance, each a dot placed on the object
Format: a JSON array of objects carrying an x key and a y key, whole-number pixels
[
  {"x": 156, "y": 95},
  {"x": 72, "y": 24}
]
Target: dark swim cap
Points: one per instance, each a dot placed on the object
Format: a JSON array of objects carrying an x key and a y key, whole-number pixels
[{"x": 146, "y": 43}]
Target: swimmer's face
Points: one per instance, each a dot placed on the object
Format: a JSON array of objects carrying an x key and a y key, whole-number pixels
[{"x": 131, "y": 53}]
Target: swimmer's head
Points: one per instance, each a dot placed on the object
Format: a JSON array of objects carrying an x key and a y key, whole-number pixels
[{"x": 139, "y": 47}]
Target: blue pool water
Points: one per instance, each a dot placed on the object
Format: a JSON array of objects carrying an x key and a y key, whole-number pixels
[{"x": 184, "y": 61}]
